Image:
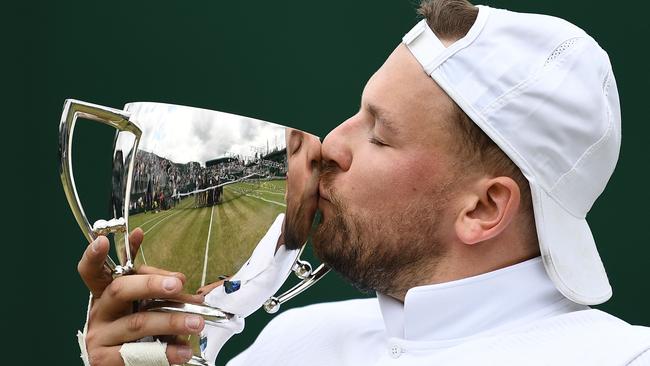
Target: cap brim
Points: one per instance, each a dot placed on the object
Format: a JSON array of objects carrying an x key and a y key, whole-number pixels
[{"x": 569, "y": 251}]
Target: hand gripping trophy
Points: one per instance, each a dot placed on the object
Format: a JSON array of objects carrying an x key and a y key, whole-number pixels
[{"x": 226, "y": 200}]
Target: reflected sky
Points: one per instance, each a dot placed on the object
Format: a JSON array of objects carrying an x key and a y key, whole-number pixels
[{"x": 185, "y": 134}]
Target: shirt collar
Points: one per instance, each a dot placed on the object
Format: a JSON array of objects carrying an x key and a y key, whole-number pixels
[{"x": 473, "y": 305}]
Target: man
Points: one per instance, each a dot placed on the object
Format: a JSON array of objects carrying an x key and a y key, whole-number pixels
[{"x": 458, "y": 193}]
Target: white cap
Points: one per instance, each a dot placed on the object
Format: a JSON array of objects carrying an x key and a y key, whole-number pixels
[{"x": 543, "y": 90}]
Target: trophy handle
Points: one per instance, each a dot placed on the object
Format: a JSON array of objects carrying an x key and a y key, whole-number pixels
[
  {"x": 119, "y": 119},
  {"x": 302, "y": 269}
]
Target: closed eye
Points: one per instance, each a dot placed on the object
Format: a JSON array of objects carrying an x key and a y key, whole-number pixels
[{"x": 374, "y": 140}]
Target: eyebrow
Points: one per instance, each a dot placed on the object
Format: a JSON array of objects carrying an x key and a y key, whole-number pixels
[{"x": 382, "y": 116}]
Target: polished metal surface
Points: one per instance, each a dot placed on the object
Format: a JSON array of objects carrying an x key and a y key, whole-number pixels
[
  {"x": 205, "y": 182},
  {"x": 72, "y": 110},
  {"x": 209, "y": 313},
  {"x": 199, "y": 361},
  {"x": 207, "y": 188},
  {"x": 272, "y": 305}
]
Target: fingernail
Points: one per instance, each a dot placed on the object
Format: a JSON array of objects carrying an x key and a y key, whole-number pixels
[
  {"x": 184, "y": 353},
  {"x": 193, "y": 322},
  {"x": 95, "y": 245},
  {"x": 170, "y": 283}
]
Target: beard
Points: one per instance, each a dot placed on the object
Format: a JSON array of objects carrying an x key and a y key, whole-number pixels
[{"x": 387, "y": 252}]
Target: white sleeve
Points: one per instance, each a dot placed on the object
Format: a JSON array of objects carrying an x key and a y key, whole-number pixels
[
  {"x": 213, "y": 337},
  {"x": 260, "y": 278},
  {"x": 269, "y": 343}
]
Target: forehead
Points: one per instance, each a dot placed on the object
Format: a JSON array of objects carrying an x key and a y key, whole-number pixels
[{"x": 402, "y": 89}]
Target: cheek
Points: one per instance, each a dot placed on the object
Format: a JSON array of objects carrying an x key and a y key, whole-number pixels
[{"x": 393, "y": 179}]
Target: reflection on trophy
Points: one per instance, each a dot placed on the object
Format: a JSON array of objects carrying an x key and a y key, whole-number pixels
[{"x": 211, "y": 192}]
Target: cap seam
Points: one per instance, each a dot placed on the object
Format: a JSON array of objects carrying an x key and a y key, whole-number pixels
[
  {"x": 482, "y": 122},
  {"x": 519, "y": 88},
  {"x": 581, "y": 289},
  {"x": 591, "y": 150},
  {"x": 467, "y": 40}
]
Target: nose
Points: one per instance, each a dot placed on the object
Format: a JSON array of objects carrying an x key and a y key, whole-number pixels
[{"x": 336, "y": 148}]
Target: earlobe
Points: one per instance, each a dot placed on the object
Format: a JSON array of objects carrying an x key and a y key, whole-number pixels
[{"x": 488, "y": 210}]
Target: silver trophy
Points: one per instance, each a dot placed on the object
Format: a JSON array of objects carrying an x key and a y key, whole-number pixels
[{"x": 209, "y": 190}]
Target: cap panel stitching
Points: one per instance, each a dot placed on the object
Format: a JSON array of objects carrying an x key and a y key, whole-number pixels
[{"x": 516, "y": 90}]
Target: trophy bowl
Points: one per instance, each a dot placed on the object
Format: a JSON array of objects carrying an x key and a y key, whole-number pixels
[{"x": 210, "y": 190}]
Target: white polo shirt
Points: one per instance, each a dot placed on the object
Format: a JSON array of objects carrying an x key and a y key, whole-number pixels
[{"x": 512, "y": 316}]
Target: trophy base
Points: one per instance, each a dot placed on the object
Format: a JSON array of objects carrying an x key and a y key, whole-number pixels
[
  {"x": 210, "y": 314},
  {"x": 199, "y": 361}
]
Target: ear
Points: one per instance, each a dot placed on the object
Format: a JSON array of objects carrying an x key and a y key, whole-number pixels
[{"x": 487, "y": 210}]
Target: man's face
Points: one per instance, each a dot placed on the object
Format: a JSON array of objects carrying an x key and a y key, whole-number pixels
[{"x": 386, "y": 181}]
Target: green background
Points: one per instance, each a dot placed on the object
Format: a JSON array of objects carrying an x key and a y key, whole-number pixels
[{"x": 301, "y": 64}]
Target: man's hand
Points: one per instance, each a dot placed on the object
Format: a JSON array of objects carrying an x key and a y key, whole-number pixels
[
  {"x": 111, "y": 320},
  {"x": 205, "y": 289}
]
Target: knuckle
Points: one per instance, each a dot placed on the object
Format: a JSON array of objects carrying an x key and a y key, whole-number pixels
[
  {"x": 91, "y": 337},
  {"x": 136, "y": 322},
  {"x": 97, "y": 357},
  {"x": 152, "y": 284},
  {"x": 114, "y": 289},
  {"x": 106, "y": 276},
  {"x": 181, "y": 277},
  {"x": 93, "y": 316},
  {"x": 176, "y": 322}
]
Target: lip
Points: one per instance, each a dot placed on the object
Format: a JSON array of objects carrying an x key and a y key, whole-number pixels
[{"x": 323, "y": 193}]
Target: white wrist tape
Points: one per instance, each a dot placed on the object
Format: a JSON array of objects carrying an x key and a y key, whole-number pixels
[
  {"x": 81, "y": 337},
  {"x": 133, "y": 354},
  {"x": 144, "y": 354}
]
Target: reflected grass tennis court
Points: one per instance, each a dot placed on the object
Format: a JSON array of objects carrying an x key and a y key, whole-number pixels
[{"x": 176, "y": 239}]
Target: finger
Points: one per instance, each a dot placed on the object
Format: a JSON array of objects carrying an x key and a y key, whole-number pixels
[
  {"x": 178, "y": 354},
  {"x": 118, "y": 296},
  {"x": 105, "y": 356},
  {"x": 144, "y": 269},
  {"x": 148, "y": 323},
  {"x": 135, "y": 240},
  {"x": 181, "y": 340},
  {"x": 190, "y": 298},
  {"x": 91, "y": 267},
  {"x": 110, "y": 356},
  {"x": 209, "y": 287}
]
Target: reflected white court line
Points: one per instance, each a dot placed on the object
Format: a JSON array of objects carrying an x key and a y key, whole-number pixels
[
  {"x": 207, "y": 246},
  {"x": 144, "y": 259},
  {"x": 260, "y": 198},
  {"x": 154, "y": 218},
  {"x": 278, "y": 193}
]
